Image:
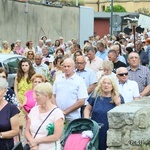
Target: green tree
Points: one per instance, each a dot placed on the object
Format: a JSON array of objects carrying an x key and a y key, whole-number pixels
[{"x": 116, "y": 8}]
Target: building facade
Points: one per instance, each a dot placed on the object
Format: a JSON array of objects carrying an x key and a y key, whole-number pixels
[{"x": 129, "y": 5}]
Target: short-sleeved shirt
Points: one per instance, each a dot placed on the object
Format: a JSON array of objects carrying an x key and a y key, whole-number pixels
[
  {"x": 37, "y": 118},
  {"x": 7, "y": 112},
  {"x": 141, "y": 75},
  {"x": 129, "y": 90},
  {"x": 68, "y": 91},
  {"x": 103, "y": 54},
  {"x": 88, "y": 76},
  {"x": 95, "y": 64}
]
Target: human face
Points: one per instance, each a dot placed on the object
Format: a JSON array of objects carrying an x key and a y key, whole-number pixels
[
  {"x": 112, "y": 57},
  {"x": 134, "y": 60},
  {"x": 90, "y": 55},
  {"x": 59, "y": 53},
  {"x": 39, "y": 97},
  {"x": 107, "y": 71},
  {"x": 38, "y": 60},
  {"x": 80, "y": 63},
  {"x": 2, "y": 93},
  {"x": 25, "y": 67},
  {"x": 107, "y": 86},
  {"x": 3, "y": 75},
  {"x": 122, "y": 75},
  {"x": 45, "y": 51},
  {"x": 68, "y": 68},
  {"x": 30, "y": 54},
  {"x": 36, "y": 81},
  {"x": 117, "y": 50},
  {"x": 100, "y": 47},
  {"x": 137, "y": 46}
]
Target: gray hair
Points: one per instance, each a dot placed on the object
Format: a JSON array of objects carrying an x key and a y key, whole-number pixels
[{"x": 3, "y": 83}]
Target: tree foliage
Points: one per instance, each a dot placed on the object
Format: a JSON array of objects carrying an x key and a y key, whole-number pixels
[
  {"x": 144, "y": 11},
  {"x": 116, "y": 8}
]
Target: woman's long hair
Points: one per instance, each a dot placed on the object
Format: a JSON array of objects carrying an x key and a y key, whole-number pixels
[
  {"x": 99, "y": 92},
  {"x": 20, "y": 73}
]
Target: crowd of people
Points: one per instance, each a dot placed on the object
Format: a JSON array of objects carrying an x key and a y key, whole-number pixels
[{"x": 59, "y": 82}]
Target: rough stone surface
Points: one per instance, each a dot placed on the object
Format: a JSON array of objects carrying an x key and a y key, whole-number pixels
[{"x": 129, "y": 126}]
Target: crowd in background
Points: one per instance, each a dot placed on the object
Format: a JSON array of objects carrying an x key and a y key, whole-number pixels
[{"x": 106, "y": 72}]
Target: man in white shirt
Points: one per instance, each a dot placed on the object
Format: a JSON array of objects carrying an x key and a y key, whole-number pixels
[
  {"x": 69, "y": 91},
  {"x": 40, "y": 67},
  {"x": 127, "y": 88}
]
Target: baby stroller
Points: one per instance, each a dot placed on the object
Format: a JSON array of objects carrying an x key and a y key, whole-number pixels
[{"x": 72, "y": 139}]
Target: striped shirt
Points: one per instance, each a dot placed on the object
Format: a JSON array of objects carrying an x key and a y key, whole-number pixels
[{"x": 141, "y": 75}]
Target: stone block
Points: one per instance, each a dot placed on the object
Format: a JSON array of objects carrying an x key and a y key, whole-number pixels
[{"x": 114, "y": 138}]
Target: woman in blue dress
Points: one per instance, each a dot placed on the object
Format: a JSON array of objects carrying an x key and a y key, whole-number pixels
[
  {"x": 9, "y": 119},
  {"x": 104, "y": 98}
]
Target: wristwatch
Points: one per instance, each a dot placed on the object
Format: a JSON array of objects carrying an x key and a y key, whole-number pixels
[{"x": 1, "y": 135}]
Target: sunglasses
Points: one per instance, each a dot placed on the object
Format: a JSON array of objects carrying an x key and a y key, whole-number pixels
[
  {"x": 30, "y": 54},
  {"x": 123, "y": 74}
]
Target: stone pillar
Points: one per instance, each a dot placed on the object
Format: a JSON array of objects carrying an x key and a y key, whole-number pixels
[{"x": 129, "y": 126}]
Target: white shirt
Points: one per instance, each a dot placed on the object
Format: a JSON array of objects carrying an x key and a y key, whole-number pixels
[
  {"x": 68, "y": 91},
  {"x": 42, "y": 69},
  {"x": 129, "y": 90}
]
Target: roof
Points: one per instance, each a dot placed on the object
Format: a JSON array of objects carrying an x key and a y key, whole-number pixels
[
  {"x": 4, "y": 57},
  {"x": 107, "y": 15}
]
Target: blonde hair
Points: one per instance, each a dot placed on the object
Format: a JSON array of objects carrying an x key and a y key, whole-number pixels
[
  {"x": 99, "y": 92},
  {"x": 4, "y": 42},
  {"x": 107, "y": 64},
  {"x": 38, "y": 76},
  {"x": 44, "y": 89}
]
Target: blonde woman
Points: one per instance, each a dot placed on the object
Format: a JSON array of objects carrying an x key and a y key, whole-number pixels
[
  {"x": 107, "y": 70},
  {"x": 104, "y": 98},
  {"x": 5, "y": 49},
  {"x": 48, "y": 136}
]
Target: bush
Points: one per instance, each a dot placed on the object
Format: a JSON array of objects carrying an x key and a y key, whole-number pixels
[{"x": 116, "y": 8}]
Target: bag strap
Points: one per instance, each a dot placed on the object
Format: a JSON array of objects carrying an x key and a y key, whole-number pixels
[{"x": 43, "y": 122}]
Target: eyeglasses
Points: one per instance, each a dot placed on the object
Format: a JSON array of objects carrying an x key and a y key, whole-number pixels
[
  {"x": 80, "y": 63},
  {"x": 3, "y": 77},
  {"x": 123, "y": 74},
  {"x": 30, "y": 54}
]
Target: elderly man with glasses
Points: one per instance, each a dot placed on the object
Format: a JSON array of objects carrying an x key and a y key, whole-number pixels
[{"x": 127, "y": 88}]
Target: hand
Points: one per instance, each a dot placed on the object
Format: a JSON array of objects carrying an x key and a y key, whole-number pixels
[
  {"x": 34, "y": 148},
  {"x": 117, "y": 100},
  {"x": 33, "y": 143}
]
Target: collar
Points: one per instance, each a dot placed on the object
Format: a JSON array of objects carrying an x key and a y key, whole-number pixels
[
  {"x": 84, "y": 70},
  {"x": 138, "y": 68}
]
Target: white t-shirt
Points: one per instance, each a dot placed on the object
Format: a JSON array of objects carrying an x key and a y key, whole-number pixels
[{"x": 68, "y": 91}]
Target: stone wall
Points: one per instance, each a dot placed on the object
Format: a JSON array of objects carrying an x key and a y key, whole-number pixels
[
  {"x": 18, "y": 21},
  {"x": 129, "y": 126}
]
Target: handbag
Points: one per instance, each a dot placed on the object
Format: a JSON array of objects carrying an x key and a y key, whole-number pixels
[
  {"x": 27, "y": 147},
  {"x": 18, "y": 146}
]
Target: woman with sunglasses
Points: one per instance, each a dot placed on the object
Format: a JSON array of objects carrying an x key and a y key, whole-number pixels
[
  {"x": 30, "y": 56},
  {"x": 105, "y": 97}
]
